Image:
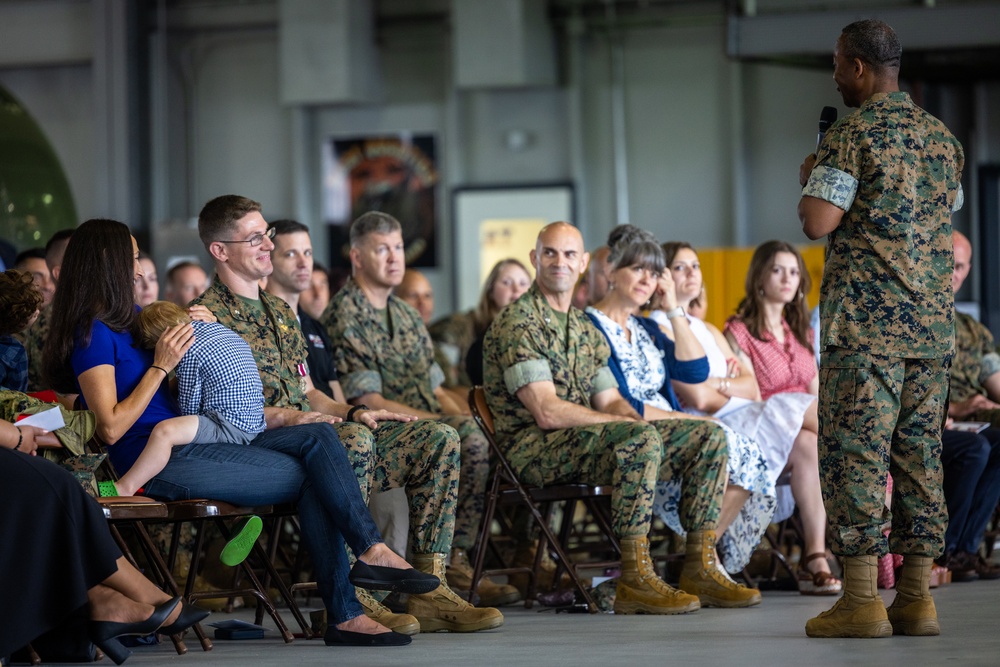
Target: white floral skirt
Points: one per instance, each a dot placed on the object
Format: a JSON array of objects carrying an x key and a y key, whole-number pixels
[
  {"x": 774, "y": 424},
  {"x": 747, "y": 469}
]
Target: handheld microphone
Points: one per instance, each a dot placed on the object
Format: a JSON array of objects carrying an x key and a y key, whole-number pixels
[{"x": 826, "y": 118}]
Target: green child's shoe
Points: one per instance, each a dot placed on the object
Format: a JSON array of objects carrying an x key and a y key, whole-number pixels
[
  {"x": 107, "y": 490},
  {"x": 239, "y": 547}
]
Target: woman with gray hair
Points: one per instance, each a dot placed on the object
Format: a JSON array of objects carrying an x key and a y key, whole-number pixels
[{"x": 644, "y": 361}]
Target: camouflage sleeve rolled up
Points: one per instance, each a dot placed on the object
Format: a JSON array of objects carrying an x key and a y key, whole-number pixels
[
  {"x": 832, "y": 185},
  {"x": 522, "y": 360},
  {"x": 989, "y": 367},
  {"x": 603, "y": 380},
  {"x": 355, "y": 363}
]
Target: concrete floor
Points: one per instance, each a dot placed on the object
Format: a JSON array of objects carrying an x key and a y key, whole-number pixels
[{"x": 771, "y": 634}]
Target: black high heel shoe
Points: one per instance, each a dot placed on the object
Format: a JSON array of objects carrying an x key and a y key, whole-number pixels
[
  {"x": 104, "y": 633},
  {"x": 189, "y": 616}
]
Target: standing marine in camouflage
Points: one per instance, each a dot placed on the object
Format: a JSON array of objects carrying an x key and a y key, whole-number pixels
[
  {"x": 386, "y": 449},
  {"x": 560, "y": 418},
  {"x": 883, "y": 185},
  {"x": 385, "y": 359}
]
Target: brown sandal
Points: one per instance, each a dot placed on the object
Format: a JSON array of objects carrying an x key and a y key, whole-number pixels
[{"x": 816, "y": 583}]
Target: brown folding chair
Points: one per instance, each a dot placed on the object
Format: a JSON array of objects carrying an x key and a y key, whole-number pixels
[
  {"x": 202, "y": 513},
  {"x": 135, "y": 512},
  {"x": 505, "y": 488}
]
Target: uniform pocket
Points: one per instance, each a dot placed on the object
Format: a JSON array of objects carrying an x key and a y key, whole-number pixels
[{"x": 845, "y": 389}]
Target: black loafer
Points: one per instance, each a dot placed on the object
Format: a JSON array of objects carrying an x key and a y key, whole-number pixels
[
  {"x": 378, "y": 578},
  {"x": 335, "y": 637}
]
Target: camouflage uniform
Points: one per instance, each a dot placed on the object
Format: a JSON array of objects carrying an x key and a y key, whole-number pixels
[
  {"x": 400, "y": 366},
  {"x": 34, "y": 341},
  {"x": 976, "y": 359},
  {"x": 886, "y": 309},
  {"x": 527, "y": 343},
  {"x": 420, "y": 456},
  {"x": 453, "y": 336}
]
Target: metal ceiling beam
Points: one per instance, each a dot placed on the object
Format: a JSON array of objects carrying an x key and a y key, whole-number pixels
[{"x": 814, "y": 33}]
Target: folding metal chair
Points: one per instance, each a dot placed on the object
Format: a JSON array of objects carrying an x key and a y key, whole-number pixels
[{"x": 505, "y": 488}]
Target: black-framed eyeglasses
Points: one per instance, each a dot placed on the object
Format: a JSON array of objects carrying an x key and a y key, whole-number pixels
[{"x": 256, "y": 239}]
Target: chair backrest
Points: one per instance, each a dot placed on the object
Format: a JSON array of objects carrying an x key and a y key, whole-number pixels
[{"x": 481, "y": 411}]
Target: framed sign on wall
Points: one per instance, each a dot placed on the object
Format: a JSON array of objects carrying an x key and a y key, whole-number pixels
[{"x": 493, "y": 223}]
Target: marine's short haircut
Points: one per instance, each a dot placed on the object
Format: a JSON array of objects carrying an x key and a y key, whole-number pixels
[
  {"x": 217, "y": 220},
  {"x": 288, "y": 227},
  {"x": 372, "y": 222},
  {"x": 874, "y": 43}
]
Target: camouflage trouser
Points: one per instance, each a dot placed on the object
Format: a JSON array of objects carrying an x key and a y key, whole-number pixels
[
  {"x": 472, "y": 480},
  {"x": 697, "y": 452},
  {"x": 632, "y": 457},
  {"x": 422, "y": 457},
  {"x": 880, "y": 415}
]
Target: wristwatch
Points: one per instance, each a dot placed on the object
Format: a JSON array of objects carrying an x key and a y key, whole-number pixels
[{"x": 675, "y": 312}]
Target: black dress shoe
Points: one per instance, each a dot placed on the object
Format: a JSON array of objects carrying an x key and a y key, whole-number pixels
[
  {"x": 984, "y": 568},
  {"x": 189, "y": 616},
  {"x": 378, "y": 578},
  {"x": 963, "y": 566},
  {"x": 335, "y": 637},
  {"x": 103, "y": 633}
]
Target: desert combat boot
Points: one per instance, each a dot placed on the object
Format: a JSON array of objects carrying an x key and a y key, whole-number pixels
[
  {"x": 404, "y": 624},
  {"x": 641, "y": 591},
  {"x": 913, "y": 611},
  {"x": 442, "y": 609},
  {"x": 701, "y": 575},
  {"x": 491, "y": 594},
  {"x": 860, "y": 612}
]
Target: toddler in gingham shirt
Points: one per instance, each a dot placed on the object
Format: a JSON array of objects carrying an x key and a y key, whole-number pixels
[{"x": 218, "y": 390}]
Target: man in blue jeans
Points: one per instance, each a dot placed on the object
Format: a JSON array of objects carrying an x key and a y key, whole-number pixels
[
  {"x": 388, "y": 450},
  {"x": 306, "y": 465}
]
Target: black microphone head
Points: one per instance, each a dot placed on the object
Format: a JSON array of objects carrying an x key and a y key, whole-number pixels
[{"x": 827, "y": 118}]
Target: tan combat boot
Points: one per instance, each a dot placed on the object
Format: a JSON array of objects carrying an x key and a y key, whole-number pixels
[
  {"x": 404, "y": 624},
  {"x": 442, "y": 609},
  {"x": 913, "y": 611},
  {"x": 491, "y": 594},
  {"x": 641, "y": 591},
  {"x": 860, "y": 612},
  {"x": 701, "y": 575}
]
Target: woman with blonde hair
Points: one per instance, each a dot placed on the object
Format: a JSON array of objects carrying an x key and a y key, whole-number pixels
[{"x": 508, "y": 280}]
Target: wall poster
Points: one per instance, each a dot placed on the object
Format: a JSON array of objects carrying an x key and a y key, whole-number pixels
[{"x": 396, "y": 173}]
